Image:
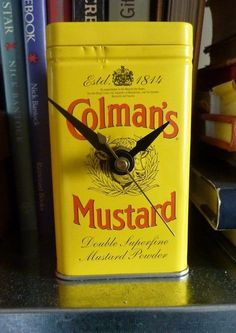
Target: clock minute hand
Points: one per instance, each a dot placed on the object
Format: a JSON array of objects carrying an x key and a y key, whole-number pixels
[
  {"x": 89, "y": 134},
  {"x": 155, "y": 209},
  {"x": 147, "y": 140},
  {"x": 102, "y": 138}
]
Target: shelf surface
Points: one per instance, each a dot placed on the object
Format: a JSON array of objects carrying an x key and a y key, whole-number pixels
[{"x": 206, "y": 295}]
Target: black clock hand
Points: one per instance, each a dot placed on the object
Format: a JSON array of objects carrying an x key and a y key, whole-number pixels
[
  {"x": 122, "y": 164},
  {"x": 146, "y": 141},
  {"x": 89, "y": 134},
  {"x": 137, "y": 184}
]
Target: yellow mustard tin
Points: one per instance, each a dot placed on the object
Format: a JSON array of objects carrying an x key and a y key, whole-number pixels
[{"x": 120, "y": 110}]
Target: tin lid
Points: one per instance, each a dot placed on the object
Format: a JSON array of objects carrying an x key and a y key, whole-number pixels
[{"x": 119, "y": 33}]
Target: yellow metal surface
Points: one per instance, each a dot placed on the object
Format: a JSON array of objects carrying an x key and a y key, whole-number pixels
[{"x": 123, "y": 88}]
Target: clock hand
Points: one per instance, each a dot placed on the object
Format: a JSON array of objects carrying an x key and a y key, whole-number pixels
[
  {"x": 145, "y": 142},
  {"x": 89, "y": 134},
  {"x": 123, "y": 165},
  {"x": 144, "y": 194}
]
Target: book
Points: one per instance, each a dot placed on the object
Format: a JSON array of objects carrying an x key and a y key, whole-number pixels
[
  {"x": 59, "y": 11},
  {"x": 213, "y": 192},
  {"x": 122, "y": 10},
  {"x": 2, "y": 92},
  {"x": 160, "y": 10},
  {"x": 12, "y": 56},
  {"x": 34, "y": 23},
  {"x": 88, "y": 11},
  {"x": 156, "y": 10},
  {"x": 220, "y": 131},
  {"x": 4, "y": 147},
  {"x": 6, "y": 202}
]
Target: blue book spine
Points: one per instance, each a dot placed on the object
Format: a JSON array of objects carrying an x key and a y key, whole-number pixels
[
  {"x": 14, "y": 78},
  {"x": 34, "y": 23}
]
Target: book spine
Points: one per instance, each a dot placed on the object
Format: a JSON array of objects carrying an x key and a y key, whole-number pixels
[
  {"x": 34, "y": 23},
  {"x": 227, "y": 216},
  {"x": 133, "y": 10},
  {"x": 86, "y": 11},
  {"x": 2, "y": 93},
  {"x": 59, "y": 11},
  {"x": 159, "y": 10},
  {"x": 6, "y": 202},
  {"x": 12, "y": 52}
]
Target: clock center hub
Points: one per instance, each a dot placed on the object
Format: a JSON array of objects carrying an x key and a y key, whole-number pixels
[{"x": 122, "y": 164}]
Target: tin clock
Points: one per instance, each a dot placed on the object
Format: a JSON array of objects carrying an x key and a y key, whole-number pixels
[{"x": 120, "y": 139}]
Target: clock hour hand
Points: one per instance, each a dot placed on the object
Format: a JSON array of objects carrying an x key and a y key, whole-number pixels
[
  {"x": 147, "y": 140},
  {"x": 89, "y": 134}
]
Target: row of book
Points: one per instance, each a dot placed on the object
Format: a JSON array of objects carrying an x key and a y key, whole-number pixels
[
  {"x": 127, "y": 10},
  {"x": 213, "y": 170},
  {"x": 5, "y": 178},
  {"x": 23, "y": 63}
]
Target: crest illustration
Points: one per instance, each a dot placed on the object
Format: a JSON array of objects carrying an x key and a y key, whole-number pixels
[
  {"x": 122, "y": 77},
  {"x": 112, "y": 184}
]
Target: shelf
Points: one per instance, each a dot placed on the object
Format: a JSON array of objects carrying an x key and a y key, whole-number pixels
[{"x": 204, "y": 300}]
